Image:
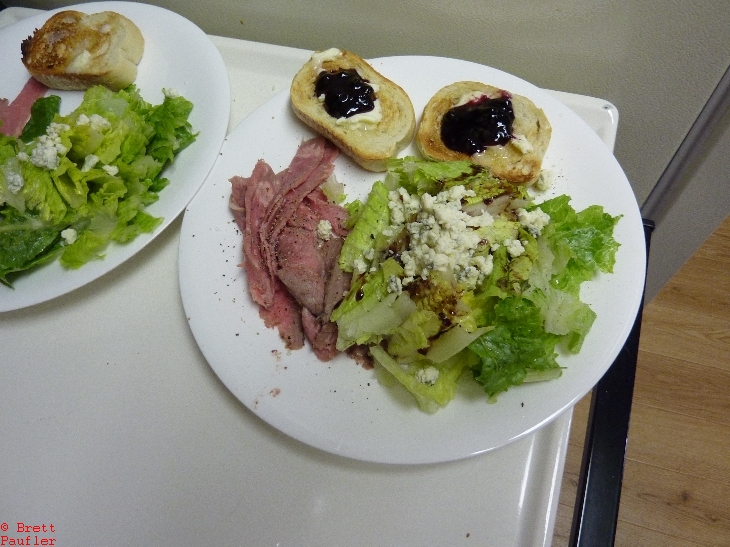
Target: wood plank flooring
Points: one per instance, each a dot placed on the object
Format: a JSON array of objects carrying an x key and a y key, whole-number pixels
[{"x": 676, "y": 486}]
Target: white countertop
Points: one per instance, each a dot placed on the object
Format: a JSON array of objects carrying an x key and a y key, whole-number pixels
[{"x": 115, "y": 430}]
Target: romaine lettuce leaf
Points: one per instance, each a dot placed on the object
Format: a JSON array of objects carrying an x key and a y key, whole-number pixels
[
  {"x": 430, "y": 398},
  {"x": 172, "y": 131},
  {"x": 366, "y": 236},
  {"x": 423, "y": 176},
  {"x": 413, "y": 334},
  {"x": 564, "y": 315},
  {"x": 42, "y": 112},
  {"x": 366, "y": 313},
  {"x": 582, "y": 243},
  {"x": 516, "y": 345},
  {"x": 26, "y": 242},
  {"x": 41, "y": 195}
]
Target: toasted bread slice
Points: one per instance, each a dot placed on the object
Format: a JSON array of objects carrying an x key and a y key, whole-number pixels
[
  {"x": 75, "y": 50},
  {"x": 518, "y": 161},
  {"x": 371, "y": 138}
]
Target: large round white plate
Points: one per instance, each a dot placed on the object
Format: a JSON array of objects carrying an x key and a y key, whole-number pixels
[
  {"x": 177, "y": 55},
  {"x": 338, "y": 406}
]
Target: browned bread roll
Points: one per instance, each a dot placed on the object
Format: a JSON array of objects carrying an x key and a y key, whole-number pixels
[
  {"x": 471, "y": 121},
  {"x": 343, "y": 98},
  {"x": 75, "y": 50}
]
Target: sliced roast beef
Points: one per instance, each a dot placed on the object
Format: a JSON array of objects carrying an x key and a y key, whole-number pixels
[
  {"x": 312, "y": 165},
  {"x": 14, "y": 115},
  {"x": 322, "y": 336},
  {"x": 254, "y": 194},
  {"x": 322, "y": 209},
  {"x": 304, "y": 217},
  {"x": 293, "y": 274},
  {"x": 320, "y": 331},
  {"x": 301, "y": 266},
  {"x": 285, "y": 314},
  {"x": 338, "y": 282}
]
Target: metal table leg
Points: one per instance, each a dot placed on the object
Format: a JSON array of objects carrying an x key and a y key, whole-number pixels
[{"x": 601, "y": 475}]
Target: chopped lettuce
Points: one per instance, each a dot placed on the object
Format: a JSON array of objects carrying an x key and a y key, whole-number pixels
[
  {"x": 581, "y": 242},
  {"x": 25, "y": 241},
  {"x": 429, "y": 396},
  {"x": 414, "y": 334},
  {"x": 367, "y": 311},
  {"x": 506, "y": 323},
  {"x": 422, "y": 176},
  {"x": 366, "y": 236},
  {"x": 88, "y": 175},
  {"x": 518, "y": 343}
]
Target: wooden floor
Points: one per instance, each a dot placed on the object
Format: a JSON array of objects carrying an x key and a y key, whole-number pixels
[{"x": 676, "y": 487}]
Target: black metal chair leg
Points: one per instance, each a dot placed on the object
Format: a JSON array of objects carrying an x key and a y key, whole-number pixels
[{"x": 599, "y": 486}]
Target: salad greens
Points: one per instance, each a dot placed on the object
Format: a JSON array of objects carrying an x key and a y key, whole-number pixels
[
  {"x": 457, "y": 272},
  {"x": 72, "y": 184}
]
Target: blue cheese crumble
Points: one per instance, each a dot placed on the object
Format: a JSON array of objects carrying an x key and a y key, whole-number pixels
[
  {"x": 69, "y": 235},
  {"x": 427, "y": 375},
  {"x": 90, "y": 162},
  {"x": 359, "y": 266},
  {"x": 13, "y": 178},
  {"x": 514, "y": 247},
  {"x": 545, "y": 181},
  {"x": 324, "y": 230},
  {"x": 48, "y": 147},
  {"x": 95, "y": 121},
  {"x": 395, "y": 285},
  {"x": 533, "y": 221},
  {"x": 442, "y": 237}
]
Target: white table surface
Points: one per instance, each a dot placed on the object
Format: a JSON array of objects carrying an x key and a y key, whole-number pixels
[{"x": 115, "y": 430}]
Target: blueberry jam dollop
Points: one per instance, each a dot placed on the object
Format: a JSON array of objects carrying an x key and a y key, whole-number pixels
[
  {"x": 471, "y": 127},
  {"x": 345, "y": 93}
]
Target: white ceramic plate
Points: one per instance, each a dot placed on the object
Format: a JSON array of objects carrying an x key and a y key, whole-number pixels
[
  {"x": 177, "y": 55},
  {"x": 338, "y": 406}
]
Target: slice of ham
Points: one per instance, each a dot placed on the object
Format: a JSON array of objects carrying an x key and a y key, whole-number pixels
[
  {"x": 292, "y": 275},
  {"x": 16, "y": 114}
]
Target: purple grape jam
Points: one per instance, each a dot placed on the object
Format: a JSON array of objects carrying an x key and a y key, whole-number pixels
[
  {"x": 471, "y": 127},
  {"x": 345, "y": 93}
]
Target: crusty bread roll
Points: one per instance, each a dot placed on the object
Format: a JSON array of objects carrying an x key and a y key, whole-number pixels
[
  {"x": 519, "y": 160},
  {"x": 75, "y": 50},
  {"x": 370, "y": 138}
]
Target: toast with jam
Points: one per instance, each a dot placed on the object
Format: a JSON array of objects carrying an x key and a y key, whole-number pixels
[
  {"x": 74, "y": 51},
  {"x": 502, "y": 131},
  {"x": 366, "y": 115}
]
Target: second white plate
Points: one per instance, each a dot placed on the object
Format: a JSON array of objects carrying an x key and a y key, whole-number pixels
[{"x": 177, "y": 55}]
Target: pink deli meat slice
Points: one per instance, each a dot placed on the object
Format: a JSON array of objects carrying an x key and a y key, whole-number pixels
[
  {"x": 320, "y": 331},
  {"x": 250, "y": 198},
  {"x": 15, "y": 115},
  {"x": 301, "y": 267},
  {"x": 291, "y": 273},
  {"x": 285, "y": 314},
  {"x": 311, "y": 166}
]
